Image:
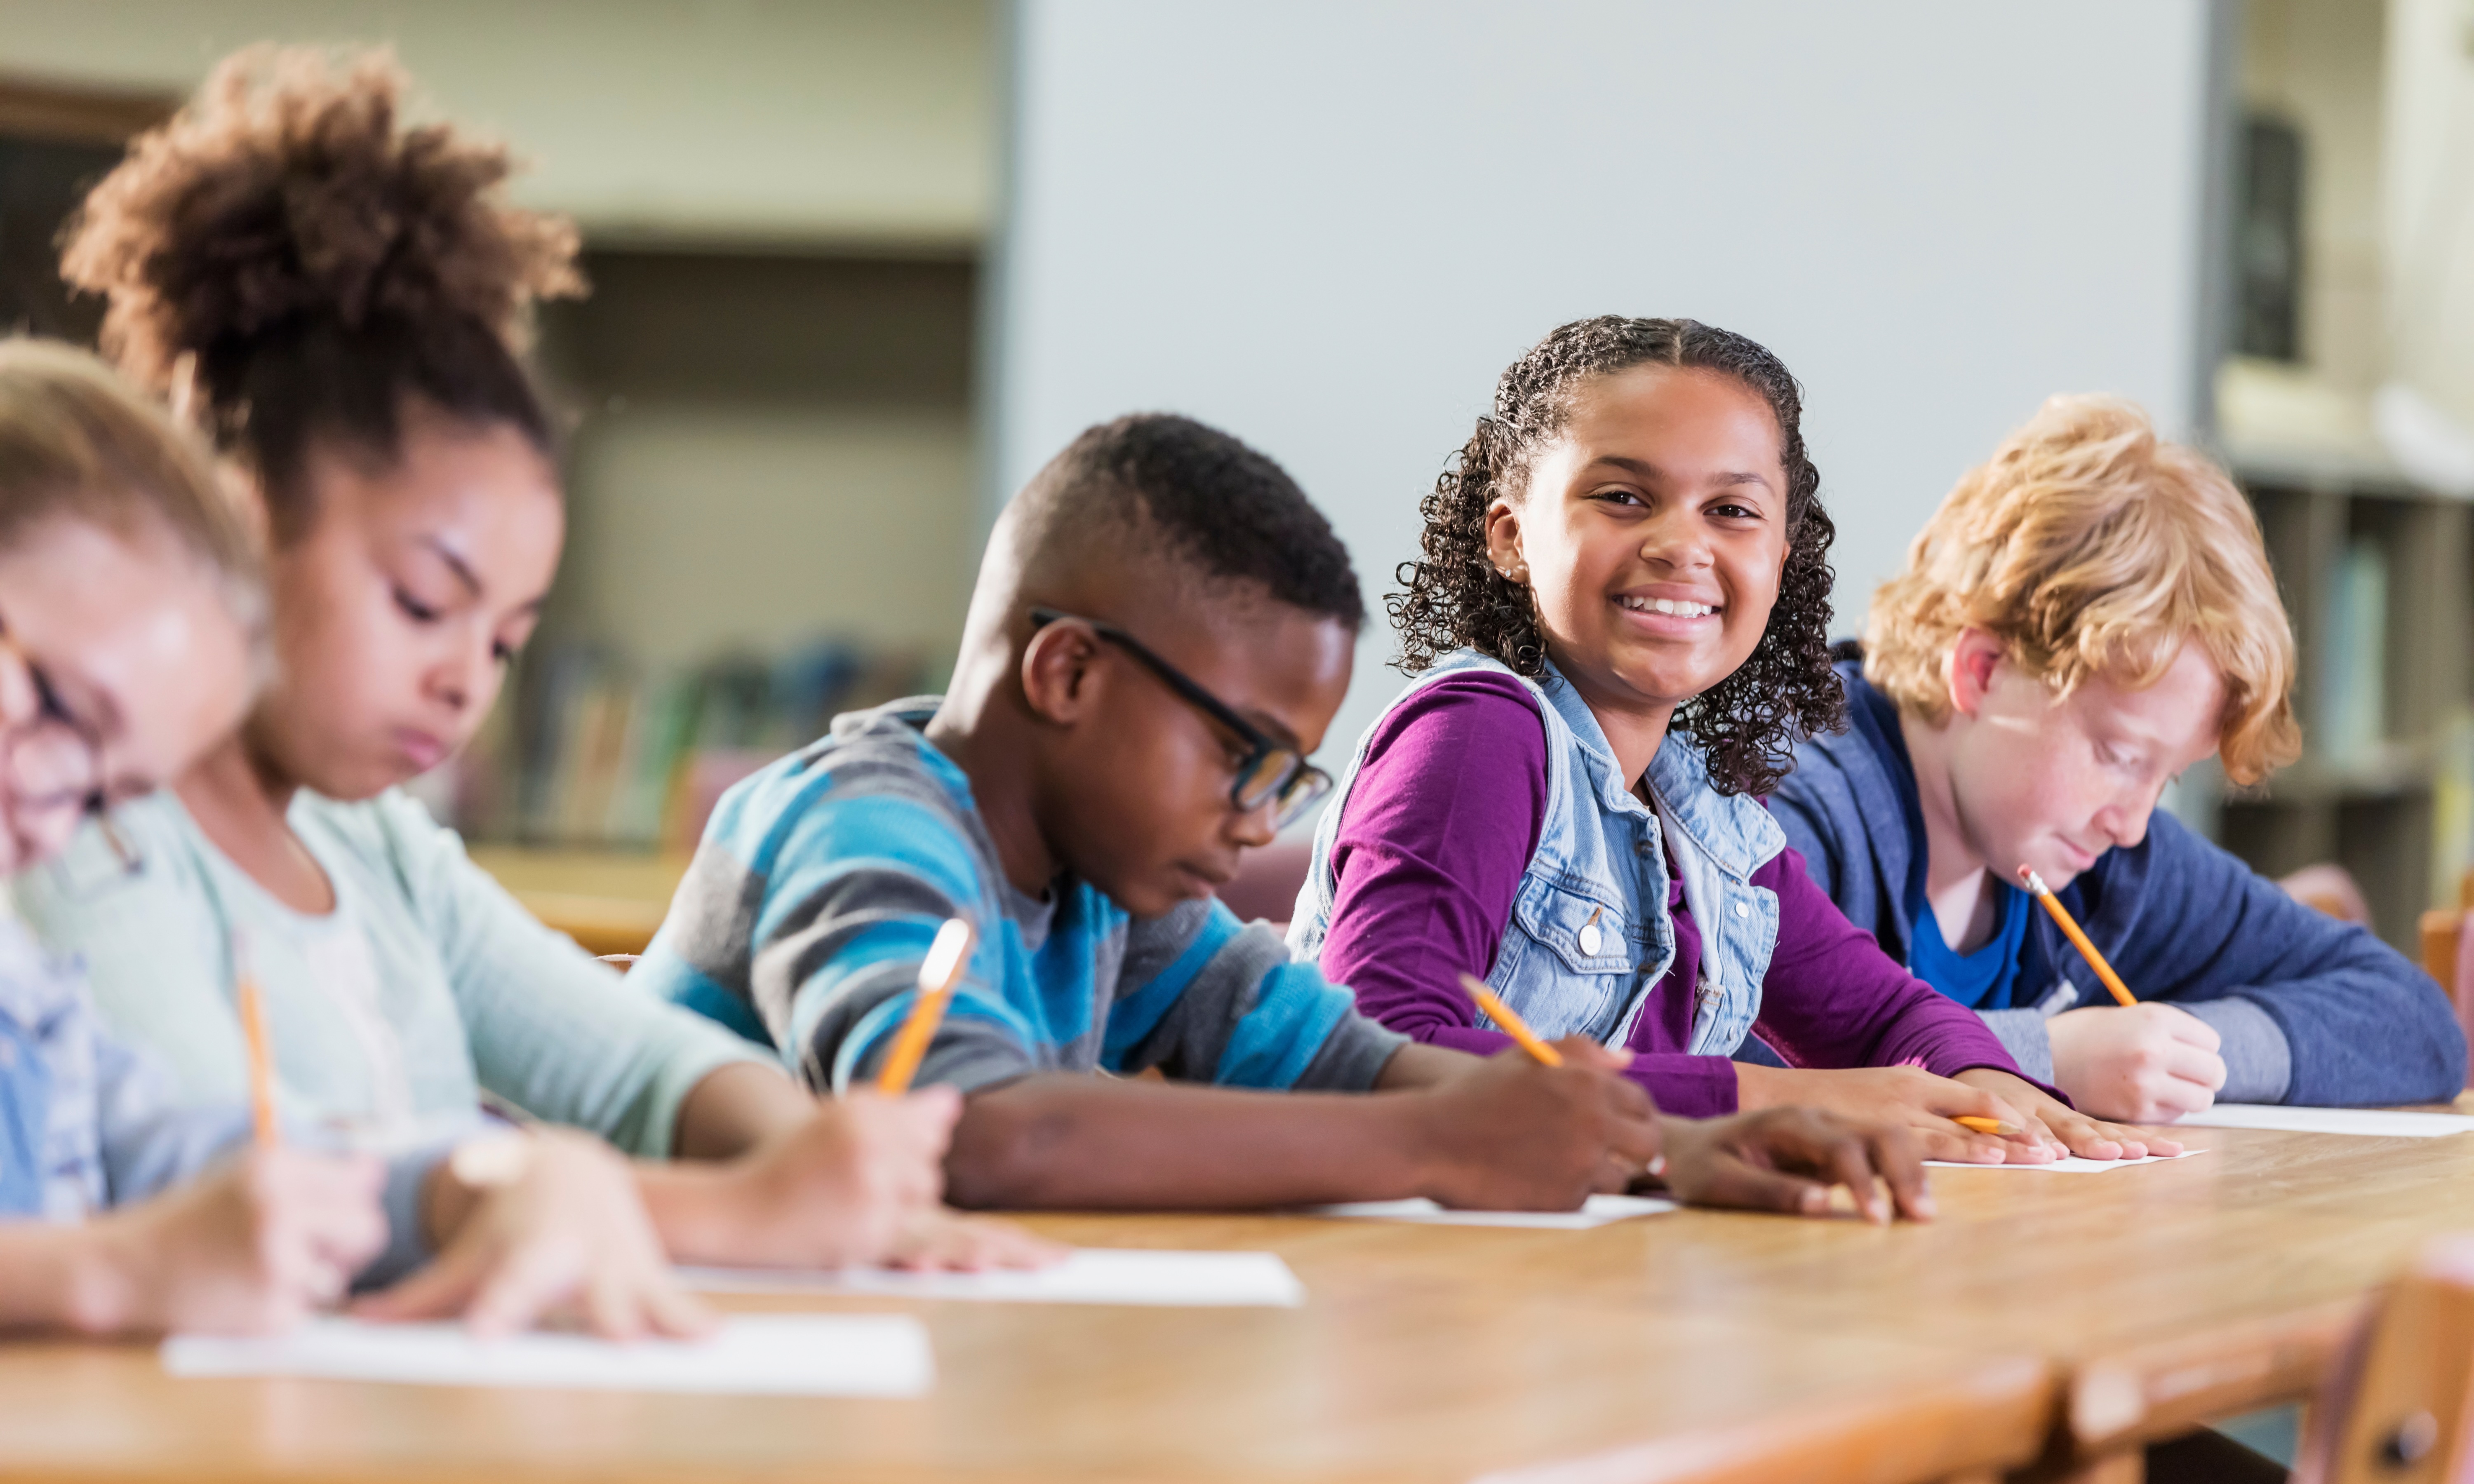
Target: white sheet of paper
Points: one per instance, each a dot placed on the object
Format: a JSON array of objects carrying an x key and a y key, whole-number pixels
[
  {"x": 2069, "y": 1164},
  {"x": 1091, "y": 1275},
  {"x": 1597, "y": 1211},
  {"x": 2371, "y": 1121},
  {"x": 771, "y": 1355}
]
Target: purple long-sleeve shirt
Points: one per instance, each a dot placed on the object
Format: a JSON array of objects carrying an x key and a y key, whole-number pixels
[{"x": 1440, "y": 822}]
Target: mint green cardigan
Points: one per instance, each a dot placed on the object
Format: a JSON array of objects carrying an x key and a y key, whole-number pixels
[{"x": 426, "y": 987}]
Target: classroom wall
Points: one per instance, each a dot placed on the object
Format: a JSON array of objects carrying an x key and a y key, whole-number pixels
[
  {"x": 2428, "y": 181},
  {"x": 1328, "y": 224},
  {"x": 786, "y": 122}
]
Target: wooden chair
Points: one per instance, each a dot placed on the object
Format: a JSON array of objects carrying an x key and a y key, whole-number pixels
[
  {"x": 2448, "y": 951},
  {"x": 2396, "y": 1409}
]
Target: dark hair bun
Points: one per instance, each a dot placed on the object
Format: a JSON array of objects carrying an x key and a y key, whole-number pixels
[{"x": 289, "y": 190}]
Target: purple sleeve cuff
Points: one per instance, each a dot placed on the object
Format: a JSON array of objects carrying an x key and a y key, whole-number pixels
[{"x": 1684, "y": 1085}]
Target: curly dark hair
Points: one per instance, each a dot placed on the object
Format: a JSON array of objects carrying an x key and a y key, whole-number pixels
[
  {"x": 1747, "y": 723},
  {"x": 311, "y": 266}
]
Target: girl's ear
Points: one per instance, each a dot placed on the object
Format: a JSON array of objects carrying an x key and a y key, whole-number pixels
[{"x": 1503, "y": 542}]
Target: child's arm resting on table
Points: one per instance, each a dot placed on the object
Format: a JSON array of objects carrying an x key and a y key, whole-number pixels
[
  {"x": 1509, "y": 1134},
  {"x": 252, "y": 1248}
]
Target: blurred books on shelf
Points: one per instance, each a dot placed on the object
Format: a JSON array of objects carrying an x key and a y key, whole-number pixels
[
  {"x": 2354, "y": 704},
  {"x": 589, "y": 750}
]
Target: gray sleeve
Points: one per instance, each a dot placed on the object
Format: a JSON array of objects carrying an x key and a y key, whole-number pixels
[
  {"x": 1205, "y": 998},
  {"x": 2021, "y": 1032},
  {"x": 147, "y": 1143},
  {"x": 2259, "y": 1063},
  {"x": 407, "y": 1247}
]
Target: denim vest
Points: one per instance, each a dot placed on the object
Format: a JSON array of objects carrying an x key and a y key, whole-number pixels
[{"x": 1590, "y": 935}]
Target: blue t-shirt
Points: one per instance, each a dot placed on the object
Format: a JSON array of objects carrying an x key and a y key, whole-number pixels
[{"x": 1982, "y": 980}]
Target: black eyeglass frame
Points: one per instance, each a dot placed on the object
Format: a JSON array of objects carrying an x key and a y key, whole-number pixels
[{"x": 1298, "y": 786}]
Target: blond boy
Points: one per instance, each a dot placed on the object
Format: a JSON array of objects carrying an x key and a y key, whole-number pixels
[{"x": 2088, "y": 614}]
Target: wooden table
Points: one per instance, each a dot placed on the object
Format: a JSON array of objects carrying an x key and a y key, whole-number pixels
[{"x": 2061, "y": 1317}]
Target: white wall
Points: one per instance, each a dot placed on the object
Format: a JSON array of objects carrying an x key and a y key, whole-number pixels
[
  {"x": 713, "y": 529},
  {"x": 1328, "y": 224},
  {"x": 793, "y": 120}
]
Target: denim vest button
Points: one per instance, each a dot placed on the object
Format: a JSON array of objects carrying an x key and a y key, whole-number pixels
[
  {"x": 1641, "y": 848},
  {"x": 1743, "y": 910},
  {"x": 1591, "y": 939}
]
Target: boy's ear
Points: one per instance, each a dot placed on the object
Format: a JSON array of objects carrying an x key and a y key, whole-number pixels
[
  {"x": 1057, "y": 671},
  {"x": 1503, "y": 542},
  {"x": 1974, "y": 655}
]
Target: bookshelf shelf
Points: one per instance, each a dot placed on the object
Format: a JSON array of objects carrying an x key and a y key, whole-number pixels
[{"x": 2374, "y": 572}]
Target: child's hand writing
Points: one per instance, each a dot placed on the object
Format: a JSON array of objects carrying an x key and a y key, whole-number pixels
[
  {"x": 557, "y": 1230},
  {"x": 1513, "y": 1135},
  {"x": 1787, "y": 1160},
  {"x": 2049, "y": 1118},
  {"x": 841, "y": 1186},
  {"x": 936, "y": 1239},
  {"x": 2147, "y": 1063},
  {"x": 251, "y": 1249},
  {"x": 1908, "y": 1096}
]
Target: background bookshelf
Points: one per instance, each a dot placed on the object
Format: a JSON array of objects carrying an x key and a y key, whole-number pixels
[{"x": 2374, "y": 572}]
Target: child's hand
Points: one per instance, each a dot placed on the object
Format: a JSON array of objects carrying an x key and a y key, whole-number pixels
[
  {"x": 841, "y": 1187},
  {"x": 1787, "y": 1160},
  {"x": 1513, "y": 1135},
  {"x": 938, "y": 1239},
  {"x": 2149, "y": 1063},
  {"x": 253, "y": 1249},
  {"x": 2047, "y": 1118},
  {"x": 565, "y": 1235},
  {"x": 1908, "y": 1096}
]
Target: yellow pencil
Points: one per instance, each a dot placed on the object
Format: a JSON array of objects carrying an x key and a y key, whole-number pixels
[
  {"x": 1513, "y": 1025},
  {"x": 2036, "y": 888},
  {"x": 938, "y": 972},
  {"x": 1995, "y": 1126},
  {"x": 261, "y": 1057}
]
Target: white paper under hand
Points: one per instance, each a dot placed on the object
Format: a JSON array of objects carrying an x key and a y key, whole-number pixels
[
  {"x": 2069, "y": 1164},
  {"x": 2368, "y": 1121},
  {"x": 772, "y": 1354},
  {"x": 1090, "y": 1275},
  {"x": 1597, "y": 1211}
]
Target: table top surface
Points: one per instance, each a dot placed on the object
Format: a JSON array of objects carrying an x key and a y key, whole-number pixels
[{"x": 1692, "y": 1344}]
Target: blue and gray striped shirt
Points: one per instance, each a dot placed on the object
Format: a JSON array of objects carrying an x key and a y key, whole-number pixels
[{"x": 821, "y": 880}]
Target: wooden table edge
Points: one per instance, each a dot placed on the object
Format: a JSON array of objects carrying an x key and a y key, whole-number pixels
[
  {"x": 1995, "y": 1417},
  {"x": 2143, "y": 1394}
]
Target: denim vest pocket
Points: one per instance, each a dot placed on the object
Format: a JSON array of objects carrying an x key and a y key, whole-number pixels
[{"x": 1546, "y": 972}]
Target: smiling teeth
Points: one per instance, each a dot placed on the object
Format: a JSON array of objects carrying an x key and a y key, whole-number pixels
[{"x": 1668, "y": 606}]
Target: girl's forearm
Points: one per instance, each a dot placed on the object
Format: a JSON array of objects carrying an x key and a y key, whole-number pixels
[
  {"x": 736, "y": 1107},
  {"x": 59, "y": 1276}
]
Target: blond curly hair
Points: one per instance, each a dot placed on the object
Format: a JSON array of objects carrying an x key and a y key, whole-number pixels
[{"x": 2087, "y": 545}]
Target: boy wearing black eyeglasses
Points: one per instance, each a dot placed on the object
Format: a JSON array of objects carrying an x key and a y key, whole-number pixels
[{"x": 1162, "y": 629}]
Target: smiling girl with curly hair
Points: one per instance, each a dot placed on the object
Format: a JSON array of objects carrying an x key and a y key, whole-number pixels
[{"x": 1618, "y": 633}]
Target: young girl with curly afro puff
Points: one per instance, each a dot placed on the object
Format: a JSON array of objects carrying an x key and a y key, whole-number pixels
[
  {"x": 341, "y": 299},
  {"x": 1617, "y": 632}
]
